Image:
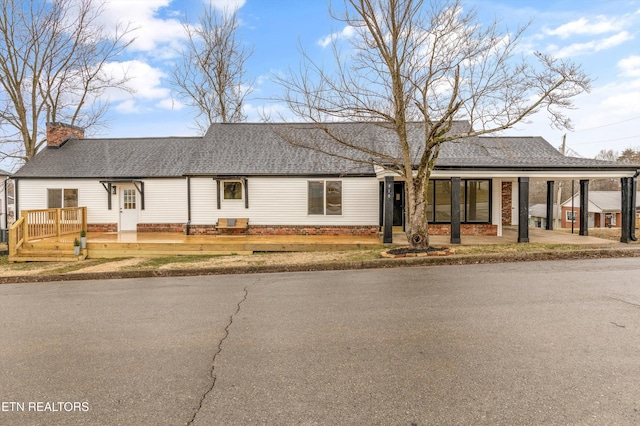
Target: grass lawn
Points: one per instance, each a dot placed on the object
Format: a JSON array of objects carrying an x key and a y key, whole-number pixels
[{"x": 259, "y": 259}]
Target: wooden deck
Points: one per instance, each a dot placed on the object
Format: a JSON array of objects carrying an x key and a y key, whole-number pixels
[{"x": 152, "y": 244}]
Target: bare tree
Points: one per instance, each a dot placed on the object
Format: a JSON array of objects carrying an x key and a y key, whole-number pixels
[
  {"x": 53, "y": 59},
  {"x": 430, "y": 62},
  {"x": 211, "y": 73},
  {"x": 607, "y": 155},
  {"x": 630, "y": 155},
  {"x": 605, "y": 184}
]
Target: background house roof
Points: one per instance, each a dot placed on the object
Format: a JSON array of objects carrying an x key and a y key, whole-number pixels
[
  {"x": 540, "y": 210},
  {"x": 267, "y": 149},
  {"x": 601, "y": 201}
]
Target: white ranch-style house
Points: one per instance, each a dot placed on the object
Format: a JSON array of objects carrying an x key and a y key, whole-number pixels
[{"x": 250, "y": 176}]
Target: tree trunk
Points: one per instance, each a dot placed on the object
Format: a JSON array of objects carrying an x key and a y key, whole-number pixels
[{"x": 417, "y": 229}]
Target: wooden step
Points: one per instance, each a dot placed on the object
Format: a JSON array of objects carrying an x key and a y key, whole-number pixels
[
  {"x": 48, "y": 245},
  {"x": 35, "y": 255},
  {"x": 37, "y": 250},
  {"x": 111, "y": 250},
  {"x": 110, "y": 254}
]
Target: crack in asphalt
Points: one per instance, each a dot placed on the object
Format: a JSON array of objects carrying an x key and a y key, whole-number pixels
[
  {"x": 625, "y": 301},
  {"x": 212, "y": 373}
]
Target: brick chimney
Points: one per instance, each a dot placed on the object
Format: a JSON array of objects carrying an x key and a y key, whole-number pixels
[{"x": 58, "y": 133}]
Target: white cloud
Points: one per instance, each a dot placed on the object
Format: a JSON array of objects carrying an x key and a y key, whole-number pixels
[
  {"x": 630, "y": 66},
  {"x": 170, "y": 104},
  {"x": 593, "y": 46},
  {"x": 151, "y": 31},
  {"x": 600, "y": 25},
  {"x": 227, "y": 4},
  {"x": 145, "y": 80},
  {"x": 272, "y": 112},
  {"x": 127, "y": 107},
  {"x": 347, "y": 32}
]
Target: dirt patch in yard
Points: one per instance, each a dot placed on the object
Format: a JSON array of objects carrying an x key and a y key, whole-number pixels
[
  {"x": 264, "y": 259},
  {"x": 110, "y": 266},
  {"x": 606, "y": 233},
  {"x": 26, "y": 269}
]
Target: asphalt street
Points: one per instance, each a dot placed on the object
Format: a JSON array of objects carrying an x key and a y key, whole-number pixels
[{"x": 519, "y": 343}]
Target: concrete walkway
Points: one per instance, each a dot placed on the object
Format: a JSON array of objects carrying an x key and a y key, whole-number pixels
[{"x": 510, "y": 236}]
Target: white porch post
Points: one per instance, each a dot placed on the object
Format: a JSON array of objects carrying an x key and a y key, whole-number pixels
[{"x": 496, "y": 202}]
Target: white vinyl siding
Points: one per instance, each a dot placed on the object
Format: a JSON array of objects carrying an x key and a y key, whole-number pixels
[
  {"x": 283, "y": 201},
  {"x": 32, "y": 195},
  {"x": 272, "y": 201},
  {"x": 203, "y": 201},
  {"x": 165, "y": 201}
]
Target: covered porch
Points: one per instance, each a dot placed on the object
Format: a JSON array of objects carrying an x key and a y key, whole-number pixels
[{"x": 504, "y": 202}]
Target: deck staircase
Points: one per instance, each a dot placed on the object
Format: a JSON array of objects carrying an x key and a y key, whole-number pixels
[
  {"x": 47, "y": 235},
  {"x": 47, "y": 251}
]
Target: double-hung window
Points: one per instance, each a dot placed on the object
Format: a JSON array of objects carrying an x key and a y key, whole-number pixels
[{"x": 324, "y": 197}]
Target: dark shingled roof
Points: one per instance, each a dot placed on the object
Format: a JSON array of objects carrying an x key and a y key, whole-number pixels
[
  {"x": 264, "y": 149},
  {"x": 514, "y": 153}
]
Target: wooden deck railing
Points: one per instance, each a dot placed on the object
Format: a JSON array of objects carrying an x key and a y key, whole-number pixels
[
  {"x": 16, "y": 236},
  {"x": 39, "y": 224}
]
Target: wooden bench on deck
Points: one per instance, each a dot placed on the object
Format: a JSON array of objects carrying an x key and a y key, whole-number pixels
[{"x": 233, "y": 223}]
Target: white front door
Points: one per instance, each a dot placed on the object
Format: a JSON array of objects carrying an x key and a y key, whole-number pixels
[{"x": 128, "y": 208}]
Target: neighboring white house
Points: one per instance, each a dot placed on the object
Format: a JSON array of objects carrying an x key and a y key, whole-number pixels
[
  {"x": 538, "y": 215},
  {"x": 605, "y": 209},
  {"x": 249, "y": 170}
]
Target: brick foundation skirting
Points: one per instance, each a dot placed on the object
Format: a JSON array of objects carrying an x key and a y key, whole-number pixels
[
  {"x": 312, "y": 230},
  {"x": 364, "y": 230},
  {"x": 285, "y": 230},
  {"x": 102, "y": 227},
  {"x": 161, "y": 227},
  {"x": 469, "y": 229}
]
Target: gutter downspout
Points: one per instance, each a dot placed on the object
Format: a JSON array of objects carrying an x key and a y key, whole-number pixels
[
  {"x": 188, "y": 224},
  {"x": 15, "y": 200},
  {"x": 6, "y": 205},
  {"x": 634, "y": 183}
]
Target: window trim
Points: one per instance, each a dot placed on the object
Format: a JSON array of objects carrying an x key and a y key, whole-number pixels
[
  {"x": 63, "y": 197},
  {"x": 224, "y": 192},
  {"x": 575, "y": 215},
  {"x": 325, "y": 193}
]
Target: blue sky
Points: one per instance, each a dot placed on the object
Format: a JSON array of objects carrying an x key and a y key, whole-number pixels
[{"x": 604, "y": 36}]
